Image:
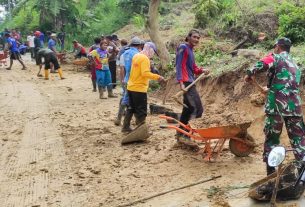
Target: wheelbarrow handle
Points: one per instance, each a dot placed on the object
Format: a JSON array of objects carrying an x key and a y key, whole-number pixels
[
  {"x": 177, "y": 121},
  {"x": 182, "y": 131}
]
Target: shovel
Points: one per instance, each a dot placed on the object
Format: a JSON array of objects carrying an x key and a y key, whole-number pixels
[
  {"x": 180, "y": 93},
  {"x": 139, "y": 134}
]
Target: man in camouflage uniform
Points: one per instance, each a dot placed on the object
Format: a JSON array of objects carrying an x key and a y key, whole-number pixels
[{"x": 283, "y": 102}]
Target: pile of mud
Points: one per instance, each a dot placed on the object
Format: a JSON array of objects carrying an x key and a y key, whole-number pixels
[{"x": 228, "y": 101}]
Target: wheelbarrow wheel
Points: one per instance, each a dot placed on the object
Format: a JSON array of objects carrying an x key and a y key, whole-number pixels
[{"x": 240, "y": 148}]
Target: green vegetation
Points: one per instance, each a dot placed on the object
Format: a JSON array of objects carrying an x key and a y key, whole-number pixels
[
  {"x": 82, "y": 19},
  {"x": 251, "y": 17},
  {"x": 224, "y": 23},
  {"x": 291, "y": 21}
]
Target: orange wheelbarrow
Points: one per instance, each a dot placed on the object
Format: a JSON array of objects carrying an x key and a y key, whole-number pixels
[{"x": 240, "y": 143}]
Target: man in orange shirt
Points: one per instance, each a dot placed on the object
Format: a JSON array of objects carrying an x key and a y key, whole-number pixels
[{"x": 137, "y": 85}]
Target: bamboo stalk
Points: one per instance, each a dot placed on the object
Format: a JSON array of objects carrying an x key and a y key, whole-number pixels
[{"x": 165, "y": 192}]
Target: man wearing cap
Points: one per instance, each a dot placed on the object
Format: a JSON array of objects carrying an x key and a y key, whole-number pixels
[
  {"x": 283, "y": 101},
  {"x": 186, "y": 69},
  {"x": 52, "y": 43},
  {"x": 137, "y": 85},
  {"x": 52, "y": 46},
  {"x": 37, "y": 47},
  {"x": 125, "y": 61}
]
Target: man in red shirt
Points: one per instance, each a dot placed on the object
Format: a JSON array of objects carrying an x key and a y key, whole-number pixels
[{"x": 78, "y": 50}]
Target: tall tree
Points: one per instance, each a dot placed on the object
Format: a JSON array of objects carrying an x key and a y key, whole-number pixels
[
  {"x": 55, "y": 13},
  {"x": 153, "y": 31}
]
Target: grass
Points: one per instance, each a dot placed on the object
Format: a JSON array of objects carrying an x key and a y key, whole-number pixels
[{"x": 298, "y": 55}]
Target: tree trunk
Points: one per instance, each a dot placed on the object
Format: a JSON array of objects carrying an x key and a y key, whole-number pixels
[{"x": 153, "y": 31}]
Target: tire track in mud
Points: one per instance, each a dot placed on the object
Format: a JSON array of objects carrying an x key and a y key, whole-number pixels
[
  {"x": 26, "y": 177},
  {"x": 4, "y": 90}
]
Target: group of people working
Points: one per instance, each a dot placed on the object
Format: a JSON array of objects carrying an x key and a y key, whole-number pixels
[
  {"x": 283, "y": 102},
  {"x": 134, "y": 61}
]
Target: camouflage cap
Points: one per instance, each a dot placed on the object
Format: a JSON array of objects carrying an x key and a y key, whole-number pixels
[{"x": 283, "y": 41}]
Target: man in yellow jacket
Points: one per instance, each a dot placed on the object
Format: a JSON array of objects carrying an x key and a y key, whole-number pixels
[{"x": 137, "y": 85}]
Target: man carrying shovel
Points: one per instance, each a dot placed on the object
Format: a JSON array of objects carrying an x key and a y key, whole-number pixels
[
  {"x": 186, "y": 69},
  {"x": 283, "y": 103}
]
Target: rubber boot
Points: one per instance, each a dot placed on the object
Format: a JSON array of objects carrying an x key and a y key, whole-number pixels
[
  {"x": 94, "y": 85},
  {"x": 60, "y": 73},
  {"x": 102, "y": 93},
  {"x": 270, "y": 170},
  {"x": 120, "y": 114},
  {"x": 126, "y": 123},
  {"x": 110, "y": 93},
  {"x": 46, "y": 74},
  {"x": 140, "y": 120}
]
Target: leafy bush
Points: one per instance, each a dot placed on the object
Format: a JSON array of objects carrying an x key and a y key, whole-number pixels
[
  {"x": 208, "y": 53},
  {"x": 83, "y": 21},
  {"x": 209, "y": 9},
  {"x": 139, "y": 21},
  {"x": 291, "y": 21},
  {"x": 134, "y": 6}
]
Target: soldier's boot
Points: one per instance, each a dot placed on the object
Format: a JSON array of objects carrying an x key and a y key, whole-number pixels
[
  {"x": 60, "y": 73},
  {"x": 111, "y": 94},
  {"x": 120, "y": 115},
  {"x": 126, "y": 123},
  {"x": 94, "y": 85},
  {"x": 46, "y": 74}
]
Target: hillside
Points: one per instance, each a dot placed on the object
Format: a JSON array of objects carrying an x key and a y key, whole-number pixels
[{"x": 59, "y": 145}]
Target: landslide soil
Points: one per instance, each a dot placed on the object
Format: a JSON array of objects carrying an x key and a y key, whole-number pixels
[{"x": 59, "y": 146}]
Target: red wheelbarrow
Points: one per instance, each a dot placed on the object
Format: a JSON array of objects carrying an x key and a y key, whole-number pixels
[
  {"x": 3, "y": 55},
  {"x": 240, "y": 143}
]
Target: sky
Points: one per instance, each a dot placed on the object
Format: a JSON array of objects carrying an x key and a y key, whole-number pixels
[{"x": 2, "y": 13}]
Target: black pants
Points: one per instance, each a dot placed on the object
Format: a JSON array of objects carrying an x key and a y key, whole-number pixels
[
  {"x": 112, "y": 67},
  {"x": 80, "y": 55},
  {"x": 138, "y": 104},
  {"x": 35, "y": 55},
  {"x": 192, "y": 99},
  {"x": 51, "y": 58},
  {"x": 15, "y": 56}
]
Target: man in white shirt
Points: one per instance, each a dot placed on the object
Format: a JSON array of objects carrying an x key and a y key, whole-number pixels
[{"x": 30, "y": 41}]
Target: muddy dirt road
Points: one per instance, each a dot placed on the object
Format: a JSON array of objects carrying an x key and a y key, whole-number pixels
[{"x": 59, "y": 147}]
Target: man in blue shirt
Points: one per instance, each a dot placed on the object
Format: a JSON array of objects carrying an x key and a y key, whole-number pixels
[
  {"x": 14, "y": 51},
  {"x": 134, "y": 48},
  {"x": 52, "y": 46},
  {"x": 52, "y": 43},
  {"x": 41, "y": 37}
]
